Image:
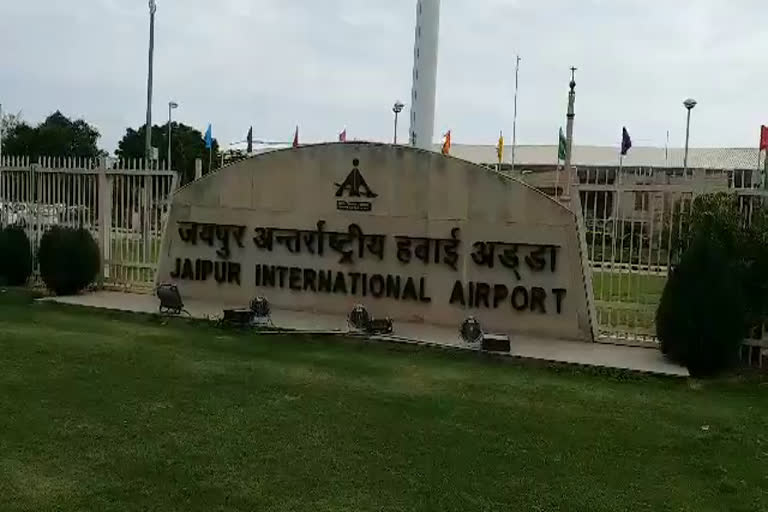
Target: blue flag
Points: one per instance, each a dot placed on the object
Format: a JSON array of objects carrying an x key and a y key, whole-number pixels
[
  {"x": 208, "y": 138},
  {"x": 626, "y": 142}
]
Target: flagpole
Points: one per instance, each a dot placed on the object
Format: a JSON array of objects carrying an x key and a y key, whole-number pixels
[
  {"x": 571, "y": 116},
  {"x": 557, "y": 178},
  {"x": 210, "y": 158},
  {"x": 500, "y": 151},
  {"x": 514, "y": 120},
  {"x": 618, "y": 182},
  {"x": 760, "y": 174}
]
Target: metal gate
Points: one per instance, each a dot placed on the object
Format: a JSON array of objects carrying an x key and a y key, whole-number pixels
[
  {"x": 121, "y": 203},
  {"x": 634, "y": 222}
]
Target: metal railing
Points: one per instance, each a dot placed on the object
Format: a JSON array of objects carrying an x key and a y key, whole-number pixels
[
  {"x": 123, "y": 204},
  {"x": 633, "y": 225}
]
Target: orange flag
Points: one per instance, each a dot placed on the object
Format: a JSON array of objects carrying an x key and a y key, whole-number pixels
[{"x": 447, "y": 143}]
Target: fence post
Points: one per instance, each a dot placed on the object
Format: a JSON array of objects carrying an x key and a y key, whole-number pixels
[
  {"x": 146, "y": 181},
  {"x": 2, "y": 191},
  {"x": 37, "y": 201},
  {"x": 104, "y": 219},
  {"x": 576, "y": 208}
]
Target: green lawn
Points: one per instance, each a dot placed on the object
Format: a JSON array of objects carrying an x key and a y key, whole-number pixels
[
  {"x": 115, "y": 412},
  {"x": 633, "y": 287},
  {"x": 627, "y": 301}
]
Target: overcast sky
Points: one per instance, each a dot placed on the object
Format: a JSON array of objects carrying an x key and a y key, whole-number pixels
[{"x": 330, "y": 64}]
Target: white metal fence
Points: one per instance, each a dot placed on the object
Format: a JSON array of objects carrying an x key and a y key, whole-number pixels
[
  {"x": 123, "y": 204},
  {"x": 634, "y": 221}
]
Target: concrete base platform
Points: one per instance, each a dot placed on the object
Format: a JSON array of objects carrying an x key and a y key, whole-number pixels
[{"x": 646, "y": 360}]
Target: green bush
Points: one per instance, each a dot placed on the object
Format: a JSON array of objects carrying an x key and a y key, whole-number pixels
[
  {"x": 720, "y": 287},
  {"x": 701, "y": 317},
  {"x": 15, "y": 256},
  {"x": 69, "y": 259},
  {"x": 755, "y": 268},
  {"x": 718, "y": 218}
]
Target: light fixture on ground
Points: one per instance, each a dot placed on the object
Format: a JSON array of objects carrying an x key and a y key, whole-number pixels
[
  {"x": 397, "y": 108},
  {"x": 171, "y": 105},
  {"x": 360, "y": 320},
  {"x": 170, "y": 299},
  {"x": 257, "y": 314},
  {"x": 262, "y": 312},
  {"x": 242, "y": 317},
  {"x": 381, "y": 326},
  {"x": 470, "y": 331},
  {"x": 689, "y": 104}
]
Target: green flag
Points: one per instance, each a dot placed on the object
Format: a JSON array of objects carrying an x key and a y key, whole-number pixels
[{"x": 562, "y": 148}]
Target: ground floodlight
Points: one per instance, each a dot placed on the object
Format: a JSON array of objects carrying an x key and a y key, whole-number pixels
[
  {"x": 170, "y": 299},
  {"x": 262, "y": 312},
  {"x": 471, "y": 331},
  {"x": 381, "y": 326},
  {"x": 260, "y": 307},
  {"x": 359, "y": 318}
]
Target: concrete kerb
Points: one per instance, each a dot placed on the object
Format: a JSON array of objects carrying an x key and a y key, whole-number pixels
[{"x": 403, "y": 342}]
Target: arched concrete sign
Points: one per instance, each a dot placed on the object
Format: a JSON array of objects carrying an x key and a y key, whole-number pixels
[{"x": 411, "y": 234}]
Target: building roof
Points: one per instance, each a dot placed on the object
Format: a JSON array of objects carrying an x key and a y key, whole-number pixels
[
  {"x": 593, "y": 156},
  {"x": 608, "y": 156}
]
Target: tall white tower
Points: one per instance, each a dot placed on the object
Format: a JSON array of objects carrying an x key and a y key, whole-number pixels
[{"x": 424, "y": 73}]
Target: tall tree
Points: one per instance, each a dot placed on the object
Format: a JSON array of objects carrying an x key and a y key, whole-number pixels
[
  {"x": 187, "y": 144},
  {"x": 57, "y": 136},
  {"x": 8, "y": 123}
]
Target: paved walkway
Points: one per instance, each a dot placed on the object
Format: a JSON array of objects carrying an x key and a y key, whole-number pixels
[{"x": 646, "y": 360}]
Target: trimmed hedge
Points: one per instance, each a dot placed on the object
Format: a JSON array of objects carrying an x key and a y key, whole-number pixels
[
  {"x": 720, "y": 287},
  {"x": 15, "y": 256},
  {"x": 701, "y": 317},
  {"x": 69, "y": 259}
]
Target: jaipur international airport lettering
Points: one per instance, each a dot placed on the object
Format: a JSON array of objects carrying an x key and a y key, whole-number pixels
[{"x": 519, "y": 265}]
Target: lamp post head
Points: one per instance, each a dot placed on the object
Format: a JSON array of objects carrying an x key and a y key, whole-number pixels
[
  {"x": 573, "y": 79},
  {"x": 398, "y": 107},
  {"x": 152, "y": 6},
  {"x": 689, "y": 103},
  {"x": 173, "y": 104}
]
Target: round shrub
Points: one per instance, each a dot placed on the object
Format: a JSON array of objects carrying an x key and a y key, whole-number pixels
[
  {"x": 701, "y": 317},
  {"x": 15, "y": 256},
  {"x": 69, "y": 259}
]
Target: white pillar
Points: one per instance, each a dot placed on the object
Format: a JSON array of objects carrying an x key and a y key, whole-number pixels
[
  {"x": 105, "y": 186},
  {"x": 424, "y": 73}
]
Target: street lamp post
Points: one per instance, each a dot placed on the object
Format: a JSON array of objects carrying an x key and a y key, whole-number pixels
[
  {"x": 570, "y": 117},
  {"x": 171, "y": 105},
  {"x": 397, "y": 108},
  {"x": 148, "y": 138},
  {"x": 688, "y": 104}
]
